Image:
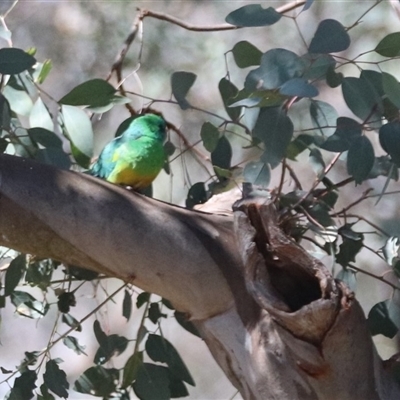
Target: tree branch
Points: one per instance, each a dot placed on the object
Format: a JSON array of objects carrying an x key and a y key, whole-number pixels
[{"x": 179, "y": 254}]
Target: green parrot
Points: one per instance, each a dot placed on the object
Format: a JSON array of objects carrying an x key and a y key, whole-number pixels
[{"x": 136, "y": 157}]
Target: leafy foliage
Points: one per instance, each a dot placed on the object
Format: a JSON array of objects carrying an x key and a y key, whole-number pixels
[{"x": 271, "y": 114}]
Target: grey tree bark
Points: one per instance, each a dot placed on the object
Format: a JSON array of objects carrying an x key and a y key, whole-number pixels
[{"x": 273, "y": 317}]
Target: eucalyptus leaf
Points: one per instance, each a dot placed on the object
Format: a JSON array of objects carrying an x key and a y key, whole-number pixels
[
  {"x": 252, "y": 15},
  {"x": 181, "y": 82},
  {"x": 277, "y": 67},
  {"x": 360, "y": 159},
  {"x": 79, "y": 129},
  {"x": 389, "y": 46},
  {"x": 246, "y": 54},
  {"x": 275, "y": 129},
  {"x": 14, "y": 61},
  {"x": 330, "y": 37}
]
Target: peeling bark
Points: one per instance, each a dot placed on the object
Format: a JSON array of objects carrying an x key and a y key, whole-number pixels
[{"x": 273, "y": 317}]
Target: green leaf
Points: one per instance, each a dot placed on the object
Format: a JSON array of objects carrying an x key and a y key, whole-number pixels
[
  {"x": 14, "y": 274},
  {"x": 24, "y": 386},
  {"x": 275, "y": 129},
  {"x": 298, "y": 145},
  {"x": 350, "y": 247},
  {"x": 209, "y": 135},
  {"x": 39, "y": 274},
  {"x": 228, "y": 92},
  {"x": 27, "y": 306},
  {"x": 131, "y": 368},
  {"x": 362, "y": 98},
  {"x": 391, "y": 249},
  {"x": 72, "y": 343},
  {"x": 155, "y": 314},
  {"x": 346, "y": 132},
  {"x": 183, "y": 321},
  {"x": 323, "y": 117},
  {"x": 379, "y": 321},
  {"x": 176, "y": 387},
  {"x": 253, "y": 15},
  {"x": 71, "y": 322},
  {"x": 65, "y": 301},
  {"x": 45, "y": 395},
  {"x": 333, "y": 78},
  {"x": 298, "y": 87},
  {"x": 97, "y": 381},
  {"x": 19, "y": 101},
  {"x": 79, "y": 129},
  {"x": 330, "y": 37},
  {"x": 14, "y": 61},
  {"x": 246, "y": 54},
  {"x": 222, "y": 155},
  {"x": 92, "y": 93},
  {"x": 31, "y": 358},
  {"x": 181, "y": 82},
  {"x": 44, "y": 71},
  {"x": 391, "y": 87},
  {"x": 127, "y": 305},
  {"x": 389, "y": 46},
  {"x": 101, "y": 337},
  {"x": 54, "y": 156},
  {"x": 317, "y": 66},
  {"x": 56, "y": 379},
  {"x": 160, "y": 349},
  {"x": 360, "y": 159},
  {"x": 277, "y": 67},
  {"x": 81, "y": 273},
  {"x": 152, "y": 382},
  {"x": 5, "y": 33},
  {"x": 317, "y": 162},
  {"x": 389, "y": 138},
  {"x": 197, "y": 195},
  {"x": 45, "y": 137},
  {"x": 111, "y": 346},
  {"x": 40, "y": 117},
  {"x": 307, "y": 5},
  {"x": 142, "y": 298},
  {"x": 348, "y": 276},
  {"x": 5, "y": 113},
  {"x": 257, "y": 173}
]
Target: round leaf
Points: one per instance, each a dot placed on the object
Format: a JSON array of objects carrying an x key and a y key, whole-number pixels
[
  {"x": 181, "y": 82},
  {"x": 362, "y": 98},
  {"x": 360, "y": 159},
  {"x": 210, "y": 136},
  {"x": 298, "y": 87},
  {"x": 323, "y": 117},
  {"x": 228, "y": 92},
  {"x": 246, "y": 54},
  {"x": 257, "y": 173},
  {"x": 277, "y": 67},
  {"x": 330, "y": 37},
  {"x": 389, "y": 138},
  {"x": 253, "y": 15},
  {"x": 275, "y": 129},
  {"x": 14, "y": 61},
  {"x": 389, "y": 46}
]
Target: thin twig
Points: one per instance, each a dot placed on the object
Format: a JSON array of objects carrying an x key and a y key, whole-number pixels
[
  {"x": 318, "y": 180},
  {"x": 372, "y": 275},
  {"x": 361, "y": 218},
  {"x": 363, "y": 197}
]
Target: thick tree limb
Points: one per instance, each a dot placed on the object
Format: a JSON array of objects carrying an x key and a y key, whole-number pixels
[
  {"x": 81, "y": 220},
  {"x": 273, "y": 317}
]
